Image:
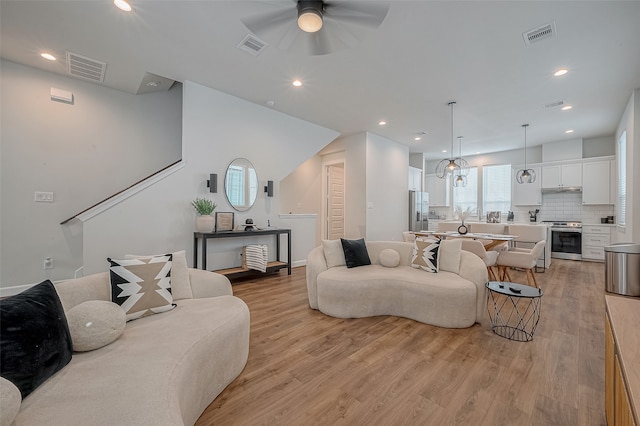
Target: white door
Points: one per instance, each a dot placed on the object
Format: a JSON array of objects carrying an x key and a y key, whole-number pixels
[{"x": 335, "y": 201}]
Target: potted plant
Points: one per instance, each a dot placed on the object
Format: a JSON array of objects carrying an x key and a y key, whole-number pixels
[{"x": 204, "y": 206}]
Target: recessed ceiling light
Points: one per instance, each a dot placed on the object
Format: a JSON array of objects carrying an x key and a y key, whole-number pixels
[
  {"x": 444, "y": 150},
  {"x": 48, "y": 56},
  {"x": 382, "y": 123},
  {"x": 122, "y": 5},
  {"x": 477, "y": 152},
  {"x": 153, "y": 84},
  {"x": 560, "y": 72},
  {"x": 569, "y": 131},
  {"x": 417, "y": 138},
  {"x": 566, "y": 107},
  {"x": 297, "y": 83}
]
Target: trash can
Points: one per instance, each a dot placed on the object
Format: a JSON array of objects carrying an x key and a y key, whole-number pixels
[{"x": 622, "y": 268}]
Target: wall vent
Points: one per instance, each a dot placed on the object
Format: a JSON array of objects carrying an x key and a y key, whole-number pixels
[
  {"x": 252, "y": 44},
  {"x": 541, "y": 33},
  {"x": 87, "y": 68},
  {"x": 554, "y": 104}
]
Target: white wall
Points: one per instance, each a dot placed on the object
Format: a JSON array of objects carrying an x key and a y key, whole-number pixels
[
  {"x": 84, "y": 152},
  {"x": 216, "y": 129},
  {"x": 387, "y": 189}
]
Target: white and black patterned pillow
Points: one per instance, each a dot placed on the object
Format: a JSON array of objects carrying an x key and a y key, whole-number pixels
[
  {"x": 425, "y": 254},
  {"x": 142, "y": 287}
]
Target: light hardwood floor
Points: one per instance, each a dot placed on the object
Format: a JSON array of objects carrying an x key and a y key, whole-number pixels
[{"x": 306, "y": 368}]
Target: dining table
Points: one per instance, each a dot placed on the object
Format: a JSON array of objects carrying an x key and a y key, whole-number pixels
[{"x": 489, "y": 240}]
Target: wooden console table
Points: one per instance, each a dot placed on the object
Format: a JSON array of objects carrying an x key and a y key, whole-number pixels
[{"x": 238, "y": 272}]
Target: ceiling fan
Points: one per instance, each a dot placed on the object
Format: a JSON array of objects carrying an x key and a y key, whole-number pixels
[{"x": 317, "y": 27}]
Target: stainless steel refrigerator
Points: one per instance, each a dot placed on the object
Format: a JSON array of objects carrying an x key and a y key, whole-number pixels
[{"x": 418, "y": 211}]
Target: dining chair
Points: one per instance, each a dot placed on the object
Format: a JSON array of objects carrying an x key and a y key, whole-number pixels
[
  {"x": 488, "y": 257},
  {"x": 523, "y": 259},
  {"x": 526, "y": 237}
]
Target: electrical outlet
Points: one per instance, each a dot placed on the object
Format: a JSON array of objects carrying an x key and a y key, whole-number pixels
[
  {"x": 47, "y": 263},
  {"x": 43, "y": 197}
]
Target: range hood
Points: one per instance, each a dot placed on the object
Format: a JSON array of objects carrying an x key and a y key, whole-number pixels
[{"x": 557, "y": 189}]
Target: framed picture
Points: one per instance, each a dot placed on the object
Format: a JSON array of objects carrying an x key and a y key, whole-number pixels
[
  {"x": 493, "y": 217},
  {"x": 224, "y": 221}
]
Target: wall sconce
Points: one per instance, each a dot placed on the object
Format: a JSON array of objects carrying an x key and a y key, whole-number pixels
[
  {"x": 212, "y": 183},
  {"x": 269, "y": 188}
]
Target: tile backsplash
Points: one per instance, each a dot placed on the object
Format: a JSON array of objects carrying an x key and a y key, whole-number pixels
[{"x": 555, "y": 206}]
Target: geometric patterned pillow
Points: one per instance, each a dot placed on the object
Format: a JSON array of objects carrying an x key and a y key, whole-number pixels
[
  {"x": 425, "y": 254},
  {"x": 142, "y": 287}
]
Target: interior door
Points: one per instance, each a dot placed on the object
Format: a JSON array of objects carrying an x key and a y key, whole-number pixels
[{"x": 335, "y": 201}]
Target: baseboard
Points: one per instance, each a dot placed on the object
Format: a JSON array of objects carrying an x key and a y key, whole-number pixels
[{"x": 297, "y": 263}]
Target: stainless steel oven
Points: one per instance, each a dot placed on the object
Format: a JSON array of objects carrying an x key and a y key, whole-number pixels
[{"x": 566, "y": 240}]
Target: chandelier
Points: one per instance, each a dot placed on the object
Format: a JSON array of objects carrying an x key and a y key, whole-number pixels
[
  {"x": 448, "y": 167},
  {"x": 462, "y": 171},
  {"x": 525, "y": 175}
]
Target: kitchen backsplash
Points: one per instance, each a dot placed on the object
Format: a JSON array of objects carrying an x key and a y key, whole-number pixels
[{"x": 555, "y": 206}]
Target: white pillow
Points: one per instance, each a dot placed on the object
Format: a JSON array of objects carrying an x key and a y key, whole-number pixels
[
  {"x": 94, "y": 324},
  {"x": 389, "y": 258},
  {"x": 180, "y": 282},
  {"x": 449, "y": 256},
  {"x": 10, "y": 401},
  {"x": 333, "y": 253}
]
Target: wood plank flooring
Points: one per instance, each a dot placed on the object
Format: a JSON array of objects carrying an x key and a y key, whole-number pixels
[{"x": 306, "y": 368}]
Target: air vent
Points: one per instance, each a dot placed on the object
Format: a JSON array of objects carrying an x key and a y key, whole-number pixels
[
  {"x": 554, "y": 104},
  {"x": 252, "y": 44},
  {"x": 541, "y": 33},
  {"x": 86, "y": 68}
]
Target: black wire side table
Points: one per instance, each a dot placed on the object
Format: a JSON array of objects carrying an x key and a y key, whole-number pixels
[{"x": 514, "y": 309}]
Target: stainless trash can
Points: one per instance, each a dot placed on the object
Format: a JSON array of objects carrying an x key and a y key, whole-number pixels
[{"x": 622, "y": 268}]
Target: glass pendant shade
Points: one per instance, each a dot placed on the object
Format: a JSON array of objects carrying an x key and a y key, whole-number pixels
[
  {"x": 525, "y": 175},
  {"x": 448, "y": 166},
  {"x": 460, "y": 181},
  {"x": 460, "y": 175}
]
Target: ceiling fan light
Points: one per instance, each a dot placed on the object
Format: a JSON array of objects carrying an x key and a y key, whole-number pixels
[{"x": 310, "y": 20}]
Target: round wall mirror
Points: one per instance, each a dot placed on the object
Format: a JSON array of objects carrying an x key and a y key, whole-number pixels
[{"x": 241, "y": 184}]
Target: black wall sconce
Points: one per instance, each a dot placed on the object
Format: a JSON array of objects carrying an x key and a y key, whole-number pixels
[
  {"x": 212, "y": 183},
  {"x": 269, "y": 188}
]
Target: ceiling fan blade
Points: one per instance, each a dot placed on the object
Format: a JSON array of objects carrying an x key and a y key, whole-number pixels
[
  {"x": 259, "y": 24},
  {"x": 368, "y": 14},
  {"x": 318, "y": 44},
  {"x": 289, "y": 37}
]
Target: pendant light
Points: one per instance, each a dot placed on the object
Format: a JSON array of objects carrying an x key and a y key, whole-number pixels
[
  {"x": 525, "y": 175},
  {"x": 461, "y": 173},
  {"x": 447, "y": 167}
]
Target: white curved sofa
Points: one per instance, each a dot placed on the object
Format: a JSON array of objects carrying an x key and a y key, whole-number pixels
[
  {"x": 165, "y": 369},
  {"x": 443, "y": 299}
]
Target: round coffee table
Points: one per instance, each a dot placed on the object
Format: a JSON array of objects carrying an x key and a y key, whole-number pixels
[{"x": 514, "y": 309}]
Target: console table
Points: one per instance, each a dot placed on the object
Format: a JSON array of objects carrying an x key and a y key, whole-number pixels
[{"x": 238, "y": 272}]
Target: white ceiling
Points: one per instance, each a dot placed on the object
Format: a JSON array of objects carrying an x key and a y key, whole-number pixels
[{"x": 425, "y": 54}]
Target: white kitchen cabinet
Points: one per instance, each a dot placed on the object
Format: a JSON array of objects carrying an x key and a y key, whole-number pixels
[
  {"x": 595, "y": 182},
  {"x": 526, "y": 194},
  {"x": 438, "y": 190},
  {"x": 562, "y": 175},
  {"x": 594, "y": 239},
  {"x": 415, "y": 179}
]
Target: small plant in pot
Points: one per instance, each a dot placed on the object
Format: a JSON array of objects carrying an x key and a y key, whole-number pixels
[{"x": 204, "y": 206}]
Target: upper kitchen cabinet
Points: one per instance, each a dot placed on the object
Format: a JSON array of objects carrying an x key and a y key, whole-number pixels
[
  {"x": 562, "y": 176},
  {"x": 415, "y": 179},
  {"x": 596, "y": 177},
  {"x": 438, "y": 190},
  {"x": 526, "y": 194}
]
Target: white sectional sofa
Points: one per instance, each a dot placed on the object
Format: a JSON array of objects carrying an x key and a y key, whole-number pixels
[
  {"x": 165, "y": 369},
  {"x": 443, "y": 299}
]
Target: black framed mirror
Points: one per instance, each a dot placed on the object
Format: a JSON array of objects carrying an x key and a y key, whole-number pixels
[{"x": 241, "y": 184}]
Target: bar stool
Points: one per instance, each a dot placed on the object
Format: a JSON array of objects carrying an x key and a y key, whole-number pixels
[{"x": 524, "y": 259}]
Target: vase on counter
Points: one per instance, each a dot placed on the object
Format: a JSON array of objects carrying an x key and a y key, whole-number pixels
[
  {"x": 462, "y": 229},
  {"x": 205, "y": 223}
]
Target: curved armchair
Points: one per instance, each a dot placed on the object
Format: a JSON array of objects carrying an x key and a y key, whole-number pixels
[
  {"x": 488, "y": 257},
  {"x": 522, "y": 258}
]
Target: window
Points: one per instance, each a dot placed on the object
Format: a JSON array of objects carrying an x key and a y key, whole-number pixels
[
  {"x": 622, "y": 179},
  {"x": 467, "y": 196},
  {"x": 496, "y": 188}
]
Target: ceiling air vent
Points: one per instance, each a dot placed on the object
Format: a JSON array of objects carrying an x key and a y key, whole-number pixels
[
  {"x": 252, "y": 44},
  {"x": 86, "y": 68},
  {"x": 554, "y": 104},
  {"x": 541, "y": 33}
]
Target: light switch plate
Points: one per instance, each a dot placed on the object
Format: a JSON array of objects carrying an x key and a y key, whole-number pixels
[{"x": 43, "y": 197}]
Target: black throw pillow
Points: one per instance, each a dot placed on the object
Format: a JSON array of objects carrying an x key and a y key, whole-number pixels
[
  {"x": 355, "y": 253},
  {"x": 34, "y": 337}
]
